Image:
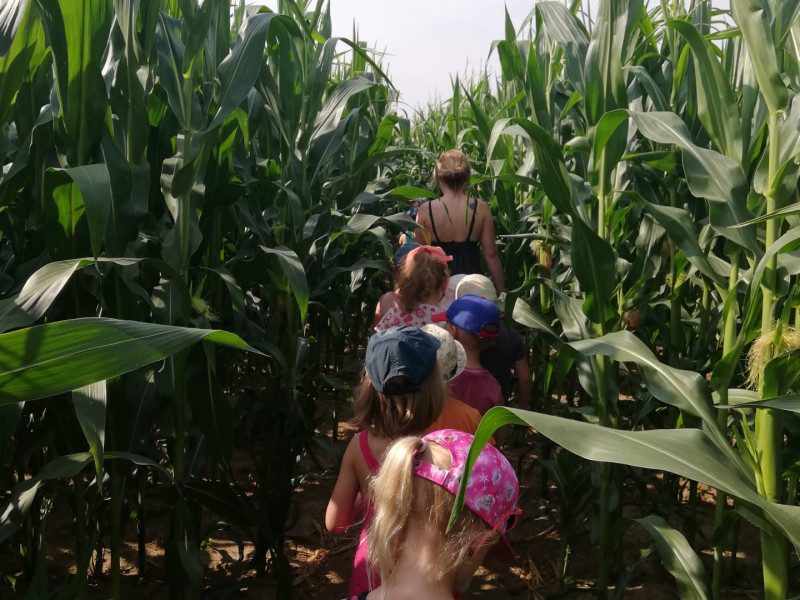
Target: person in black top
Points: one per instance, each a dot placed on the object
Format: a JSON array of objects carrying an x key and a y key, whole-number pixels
[{"x": 458, "y": 224}]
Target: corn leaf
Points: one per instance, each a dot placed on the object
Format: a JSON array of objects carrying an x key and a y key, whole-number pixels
[
  {"x": 686, "y": 452},
  {"x": 78, "y": 33},
  {"x": 751, "y": 16},
  {"x": 716, "y": 103},
  {"x": 58, "y": 357},
  {"x": 90, "y": 408},
  {"x": 296, "y": 274},
  {"x": 677, "y": 557},
  {"x": 710, "y": 175}
]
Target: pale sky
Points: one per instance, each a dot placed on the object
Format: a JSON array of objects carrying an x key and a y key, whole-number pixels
[{"x": 428, "y": 40}]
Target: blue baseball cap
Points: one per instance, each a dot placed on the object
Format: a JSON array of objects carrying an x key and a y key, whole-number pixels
[
  {"x": 402, "y": 252},
  {"x": 473, "y": 314},
  {"x": 401, "y": 352}
]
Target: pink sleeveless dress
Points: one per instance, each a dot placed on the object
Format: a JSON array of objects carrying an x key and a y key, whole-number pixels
[{"x": 360, "y": 581}]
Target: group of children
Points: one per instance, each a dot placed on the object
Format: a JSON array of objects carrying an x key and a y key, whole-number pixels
[{"x": 422, "y": 396}]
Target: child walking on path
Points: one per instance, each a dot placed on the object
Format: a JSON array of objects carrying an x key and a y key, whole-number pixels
[
  {"x": 423, "y": 280},
  {"x": 414, "y": 494},
  {"x": 474, "y": 321},
  {"x": 452, "y": 360},
  {"x": 389, "y": 299},
  {"x": 403, "y": 393},
  {"x": 509, "y": 352}
]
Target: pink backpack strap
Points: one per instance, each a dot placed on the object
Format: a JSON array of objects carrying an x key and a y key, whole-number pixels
[{"x": 372, "y": 463}]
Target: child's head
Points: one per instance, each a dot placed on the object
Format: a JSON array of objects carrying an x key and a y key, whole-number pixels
[
  {"x": 416, "y": 487},
  {"x": 399, "y": 256},
  {"x": 476, "y": 284},
  {"x": 403, "y": 391},
  {"x": 450, "y": 291},
  {"x": 452, "y": 171},
  {"x": 451, "y": 356},
  {"x": 424, "y": 273},
  {"x": 474, "y": 321}
]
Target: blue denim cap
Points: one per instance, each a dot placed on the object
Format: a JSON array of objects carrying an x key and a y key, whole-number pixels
[
  {"x": 406, "y": 352},
  {"x": 474, "y": 314},
  {"x": 402, "y": 252}
]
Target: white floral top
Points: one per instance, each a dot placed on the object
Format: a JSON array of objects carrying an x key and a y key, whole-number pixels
[{"x": 421, "y": 315}]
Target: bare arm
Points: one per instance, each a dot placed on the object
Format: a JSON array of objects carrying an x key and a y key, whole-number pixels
[
  {"x": 524, "y": 384},
  {"x": 341, "y": 506},
  {"x": 489, "y": 246}
]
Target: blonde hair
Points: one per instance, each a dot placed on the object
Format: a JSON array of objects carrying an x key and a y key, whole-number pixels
[
  {"x": 420, "y": 277},
  {"x": 452, "y": 171},
  {"x": 402, "y": 498},
  {"x": 401, "y": 414}
]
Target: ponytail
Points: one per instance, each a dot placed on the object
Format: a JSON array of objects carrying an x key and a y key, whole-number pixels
[{"x": 403, "y": 499}]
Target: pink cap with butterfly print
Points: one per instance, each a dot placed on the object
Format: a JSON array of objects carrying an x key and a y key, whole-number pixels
[{"x": 492, "y": 490}]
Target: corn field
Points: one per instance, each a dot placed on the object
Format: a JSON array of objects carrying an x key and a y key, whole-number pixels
[{"x": 197, "y": 206}]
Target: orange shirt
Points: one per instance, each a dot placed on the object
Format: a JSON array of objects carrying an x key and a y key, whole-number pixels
[{"x": 460, "y": 416}]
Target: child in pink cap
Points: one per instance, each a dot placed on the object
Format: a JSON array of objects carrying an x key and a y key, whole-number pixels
[
  {"x": 414, "y": 494},
  {"x": 421, "y": 284}
]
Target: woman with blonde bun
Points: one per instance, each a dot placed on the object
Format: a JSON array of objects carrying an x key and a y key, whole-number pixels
[{"x": 458, "y": 224}]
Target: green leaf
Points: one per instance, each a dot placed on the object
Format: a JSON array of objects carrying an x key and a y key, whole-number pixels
[
  {"x": 752, "y": 302},
  {"x": 603, "y": 77},
  {"x": 58, "y": 357},
  {"x": 38, "y": 293},
  {"x": 294, "y": 271},
  {"x": 680, "y": 226},
  {"x": 608, "y": 146},
  {"x": 781, "y": 374},
  {"x": 77, "y": 33},
  {"x": 21, "y": 50},
  {"x": 90, "y": 408},
  {"x": 94, "y": 185},
  {"x": 410, "y": 192},
  {"x": 331, "y": 113},
  {"x": 570, "y": 35},
  {"x": 11, "y": 14},
  {"x": 716, "y": 102},
  {"x": 752, "y": 18},
  {"x": 45, "y": 284},
  {"x": 550, "y": 163},
  {"x": 525, "y": 315},
  {"x": 595, "y": 266},
  {"x": 677, "y": 557},
  {"x": 792, "y": 209},
  {"x": 21, "y": 498},
  {"x": 654, "y": 92},
  {"x": 789, "y": 403},
  {"x": 710, "y": 175},
  {"x": 238, "y": 72},
  {"x": 685, "y": 389},
  {"x": 686, "y": 452}
]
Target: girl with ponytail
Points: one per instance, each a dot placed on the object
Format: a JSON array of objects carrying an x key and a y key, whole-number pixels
[
  {"x": 421, "y": 284},
  {"x": 414, "y": 493}
]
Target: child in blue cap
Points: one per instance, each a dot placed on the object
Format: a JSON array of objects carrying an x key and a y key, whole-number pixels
[
  {"x": 403, "y": 393},
  {"x": 475, "y": 322}
]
